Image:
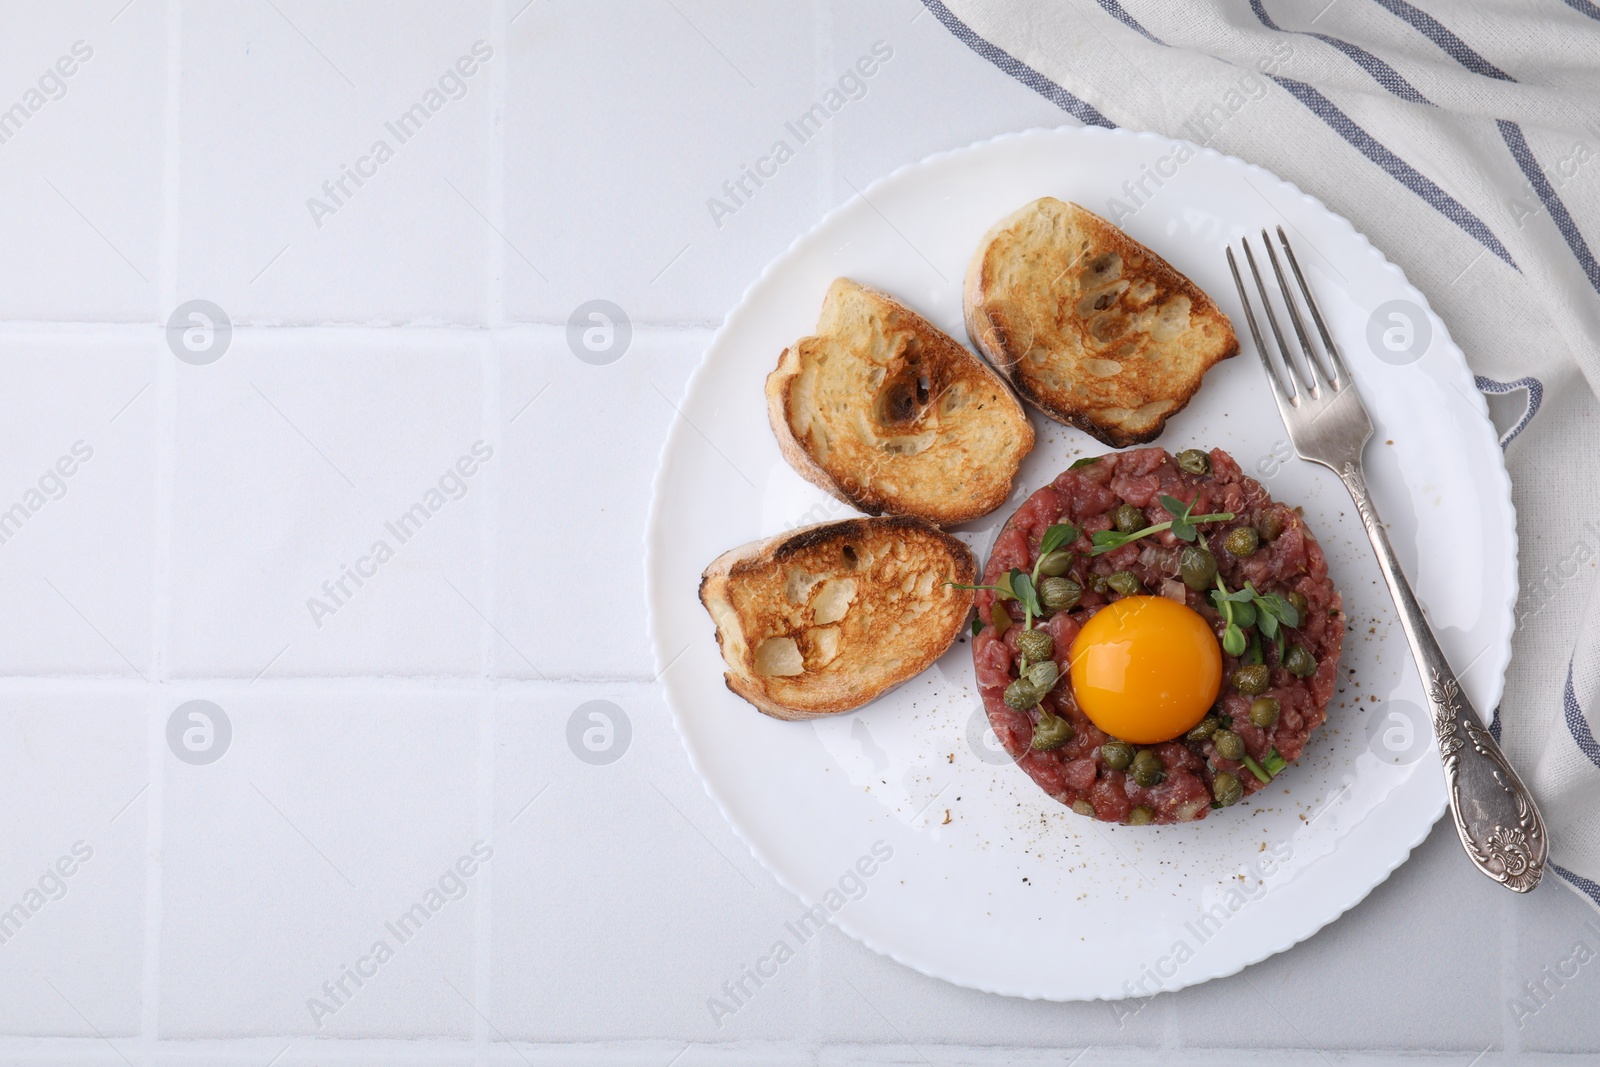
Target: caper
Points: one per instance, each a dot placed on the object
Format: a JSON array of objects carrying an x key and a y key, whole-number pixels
[
  {"x": 1128, "y": 519},
  {"x": 1021, "y": 695},
  {"x": 1141, "y": 816},
  {"x": 1117, "y": 755},
  {"x": 1059, "y": 594},
  {"x": 1055, "y": 564},
  {"x": 1202, "y": 730},
  {"x": 1242, "y": 541},
  {"x": 1264, "y": 711},
  {"x": 1042, "y": 676},
  {"x": 1226, "y": 788},
  {"x": 1052, "y": 733},
  {"x": 1270, "y": 526},
  {"x": 1035, "y": 644},
  {"x": 1300, "y": 604},
  {"x": 1251, "y": 680},
  {"x": 1198, "y": 567},
  {"x": 1147, "y": 768},
  {"x": 1229, "y": 745},
  {"x": 1194, "y": 461},
  {"x": 1124, "y": 582},
  {"x": 1083, "y": 807},
  {"x": 1299, "y": 662}
]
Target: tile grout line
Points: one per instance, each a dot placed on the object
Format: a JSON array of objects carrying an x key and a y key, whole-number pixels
[
  {"x": 488, "y": 355},
  {"x": 483, "y": 914},
  {"x": 488, "y": 351},
  {"x": 165, "y": 474},
  {"x": 828, "y": 176},
  {"x": 56, "y": 327},
  {"x": 495, "y": 261},
  {"x": 54, "y": 330},
  {"x": 128, "y": 686},
  {"x": 649, "y": 1052},
  {"x": 153, "y": 802}
]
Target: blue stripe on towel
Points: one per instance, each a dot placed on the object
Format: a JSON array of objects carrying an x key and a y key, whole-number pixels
[
  {"x": 1381, "y": 72},
  {"x": 1369, "y": 146},
  {"x": 1535, "y": 390},
  {"x": 1511, "y": 133},
  {"x": 1448, "y": 42},
  {"x": 1578, "y": 724},
  {"x": 1584, "y": 885},
  {"x": 1583, "y": 7},
  {"x": 1319, "y": 105},
  {"x": 1082, "y": 110},
  {"x": 1399, "y": 169},
  {"x": 1120, "y": 13}
]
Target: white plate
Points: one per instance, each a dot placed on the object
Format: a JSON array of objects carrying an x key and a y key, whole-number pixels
[{"x": 992, "y": 884}]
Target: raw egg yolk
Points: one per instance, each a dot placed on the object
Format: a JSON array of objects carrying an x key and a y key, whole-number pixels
[{"x": 1146, "y": 669}]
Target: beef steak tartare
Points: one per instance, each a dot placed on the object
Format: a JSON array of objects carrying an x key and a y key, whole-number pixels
[{"x": 1258, "y": 572}]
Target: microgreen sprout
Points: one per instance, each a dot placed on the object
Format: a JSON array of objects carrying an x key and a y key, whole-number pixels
[
  {"x": 1182, "y": 525},
  {"x": 1252, "y": 655},
  {"x": 1012, "y": 585},
  {"x": 1052, "y": 730},
  {"x": 1271, "y": 765},
  {"x": 1062, "y": 533},
  {"x": 1024, "y": 587},
  {"x": 1256, "y": 769},
  {"x": 1023, "y": 590},
  {"x": 1001, "y": 587},
  {"x": 1244, "y": 608}
]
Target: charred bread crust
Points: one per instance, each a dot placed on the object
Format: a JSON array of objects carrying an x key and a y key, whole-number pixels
[
  {"x": 963, "y": 479},
  {"x": 926, "y": 635},
  {"x": 992, "y": 333}
]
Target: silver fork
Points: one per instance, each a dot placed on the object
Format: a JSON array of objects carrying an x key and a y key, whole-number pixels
[{"x": 1499, "y": 824}]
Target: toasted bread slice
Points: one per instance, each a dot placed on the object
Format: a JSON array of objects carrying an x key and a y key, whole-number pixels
[
  {"x": 889, "y": 414},
  {"x": 822, "y": 619},
  {"x": 1088, "y": 324}
]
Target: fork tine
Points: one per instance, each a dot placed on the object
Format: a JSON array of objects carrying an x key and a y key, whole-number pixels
[
  {"x": 1341, "y": 373},
  {"x": 1292, "y": 370},
  {"x": 1286, "y": 396},
  {"x": 1313, "y": 363}
]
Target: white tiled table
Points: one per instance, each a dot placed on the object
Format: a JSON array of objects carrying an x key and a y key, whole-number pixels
[{"x": 373, "y": 743}]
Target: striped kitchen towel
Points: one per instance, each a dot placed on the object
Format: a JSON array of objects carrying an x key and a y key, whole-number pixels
[{"x": 1468, "y": 143}]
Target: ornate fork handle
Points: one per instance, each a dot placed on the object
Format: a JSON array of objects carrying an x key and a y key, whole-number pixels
[{"x": 1499, "y": 824}]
